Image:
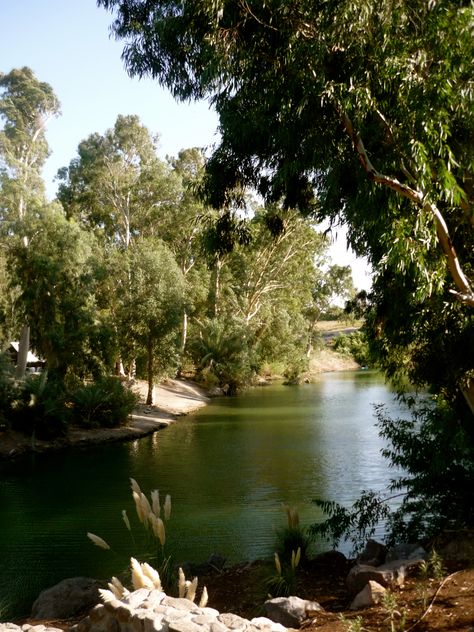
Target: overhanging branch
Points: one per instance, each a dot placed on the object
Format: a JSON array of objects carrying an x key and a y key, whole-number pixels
[{"x": 463, "y": 292}]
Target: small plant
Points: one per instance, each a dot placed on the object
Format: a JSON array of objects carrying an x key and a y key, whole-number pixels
[
  {"x": 292, "y": 537},
  {"x": 152, "y": 516},
  {"x": 396, "y": 617},
  {"x": 432, "y": 568},
  {"x": 283, "y": 582},
  {"x": 352, "y": 625}
]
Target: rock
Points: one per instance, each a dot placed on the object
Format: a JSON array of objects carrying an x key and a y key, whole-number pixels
[
  {"x": 290, "y": 611},
  {"x": 67, "y": 599},
  {"x": 361, "y": 574},
  {"x": 373, "y": 554},
  {"x": 371, "y": 595}
]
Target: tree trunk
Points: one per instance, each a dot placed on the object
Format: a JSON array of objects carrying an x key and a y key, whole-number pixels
[
  {"x": 23, "y": 348},
  {"x": 150, "y": 369}
]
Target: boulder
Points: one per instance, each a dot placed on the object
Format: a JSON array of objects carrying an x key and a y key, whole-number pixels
[
  {"x": 370, "y": 595},
  {"x": 373, "y": 554},
  {"x": 67, "y": 599},
  {"x": 387, "y": 575},
  {"x": 291, "y": 611}
]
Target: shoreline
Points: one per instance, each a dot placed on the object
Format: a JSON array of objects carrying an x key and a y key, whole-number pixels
[{"x": 174, "y": 398}]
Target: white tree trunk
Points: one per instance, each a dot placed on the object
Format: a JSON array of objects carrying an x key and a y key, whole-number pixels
[{"x": 23, "y": 348}]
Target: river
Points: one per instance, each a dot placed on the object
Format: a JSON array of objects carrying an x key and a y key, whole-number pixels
[{"x": 228, "y": 469}]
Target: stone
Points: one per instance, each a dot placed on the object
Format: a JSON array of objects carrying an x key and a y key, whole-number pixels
[
  {"x": 370, "y": 595},
  {"x": 184, "y": 625},
  {"x": 137, "y": 597},
  {"x": 373, "y": 554},
  {"x": 360, "y": 574},
  {"x": 67, "y": 599},
  {"x": 9, "y": 627},
  {"x": 290, "y": 611},
  {"x": 179, "y": 603},
  {"x": 263, "y": 623},
  {"x": 232, "y": 621}
]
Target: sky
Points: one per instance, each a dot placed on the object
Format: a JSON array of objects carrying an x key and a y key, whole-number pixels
[{"x": 67, "y": 43}]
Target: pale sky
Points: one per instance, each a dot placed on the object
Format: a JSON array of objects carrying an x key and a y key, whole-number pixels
[{"x": 67, "y": 43}]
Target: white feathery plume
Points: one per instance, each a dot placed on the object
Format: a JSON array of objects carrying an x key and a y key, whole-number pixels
[
  {"x": 167, "y": 507},
  {"x": 145, "y": 504},
  {"x": 155, "y": 502},
  {"x": 117, "y": 588},
  {"x": 126, "y": 520},
  {"x": 139, "y": 508},
  {"x": 181, "y": 583},
  {"x": 106, "y": 595},
  {"x": 98, "y": 541},
  {"x": 135, "y": 486},
  {"x": 277, "y": 563},
  {"x": 204, "y": 598},
  {"x": 191, "y": 588},
  {"x": 139, "y": 580},
  {"x": 153, "y": 574}
]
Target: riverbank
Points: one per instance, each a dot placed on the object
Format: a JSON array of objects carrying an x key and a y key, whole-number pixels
[{"x": 173, "y": 398}]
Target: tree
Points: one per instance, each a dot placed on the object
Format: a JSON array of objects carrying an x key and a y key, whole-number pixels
[
  {"x": 117, "y": 186},
  {"x": 26, "y": 105},
  {"x": 362, "y": 112},
  {"x": 56, "y": 275},
  {"x": 151, "y": 306}
]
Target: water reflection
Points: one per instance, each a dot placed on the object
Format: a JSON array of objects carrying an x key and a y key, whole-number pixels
[{"x": 228, "y": 469}]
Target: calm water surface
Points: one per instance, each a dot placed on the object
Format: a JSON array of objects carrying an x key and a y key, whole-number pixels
[{"x": 228, "y": 469}]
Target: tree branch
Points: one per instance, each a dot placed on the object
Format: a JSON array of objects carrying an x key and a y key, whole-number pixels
[{"x": 464, "y": 292}]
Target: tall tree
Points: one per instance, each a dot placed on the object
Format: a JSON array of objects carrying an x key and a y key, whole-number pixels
[
  {"x": 362, "y": 111},
  {"x": 152, "y": 306},
  {"x": 26, "y": 105},
  {"x": 117, "y": 186}
]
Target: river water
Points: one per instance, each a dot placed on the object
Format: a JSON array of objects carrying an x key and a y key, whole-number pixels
[{"x": 228, "y": 469}]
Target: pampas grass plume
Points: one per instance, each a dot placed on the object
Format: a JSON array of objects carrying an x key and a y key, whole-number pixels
[
  {"x": 146, "y": 507},
  {"x": 126, "y": 520},
  {"x": 117, "y": 588},
  {"x": 204, "y": 598},
  {"x": 167, "y": 507},
  {"x": 155, "y": 502},
  {"x": 181, "y": 583},
  {"x": 139, "y": 508},
  {"x": 153, "y": 574},
  {"x": 277, "y": 563},
  {"x": 191, "y": 588},
  {"x": 98, "y": 541},
  {"x": 135, "y": 486}
]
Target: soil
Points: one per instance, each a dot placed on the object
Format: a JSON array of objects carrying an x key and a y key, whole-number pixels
[{"x": 446, "y": 605}]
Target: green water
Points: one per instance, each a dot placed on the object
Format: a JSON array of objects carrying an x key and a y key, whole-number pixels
[{"x": 228, "y": 470}]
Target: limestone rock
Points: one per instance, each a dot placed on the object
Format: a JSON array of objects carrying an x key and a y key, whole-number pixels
[
  {"x": 361, "y": 574},
  {"x": 290, "y": 611},
  {"x": 370, "y": 595},
  {"x": 67, "y": 599}
]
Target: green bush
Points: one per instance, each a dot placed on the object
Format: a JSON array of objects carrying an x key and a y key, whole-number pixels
[
  {"x": 40, "y": 407},
  {"x": 8, "y": 389},
  {"x": 353, "y": 345},
  {"x": 105, "y": 403}
]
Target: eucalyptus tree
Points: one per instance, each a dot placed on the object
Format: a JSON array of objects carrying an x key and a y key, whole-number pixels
[
  {"x": 26, "y": 105},
  {"x": 151, "y": 307},
  {"x": 361, "y": 110},
  {"x": 57, "y": 277},
  {"x": 117, "y": 186}
]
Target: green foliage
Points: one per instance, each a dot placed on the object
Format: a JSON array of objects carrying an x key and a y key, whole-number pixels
[
  {"x": 353, "y": 345},
  {"x": 283, "y": 582},
  {"x": 8, "y": 388},
  {"x": 356, "y": 524},
  {"x": 105, "y": 403},
  {"x": 40, "y": 408}
]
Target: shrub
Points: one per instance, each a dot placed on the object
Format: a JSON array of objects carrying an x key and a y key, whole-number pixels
[
  {"x": 105, "y": 403},
  {"x": 354, "y": 345},
  {"x": 8, "y": 389},
  {"x": 40, "y": 407}
]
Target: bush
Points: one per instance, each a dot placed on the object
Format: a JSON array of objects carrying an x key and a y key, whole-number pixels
[
  {"x": 105, "y": 403},
  {"x": 40, "y": 407},
  {"x": 7, "y": 388},
  {"x": 353, "y": 345}
]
